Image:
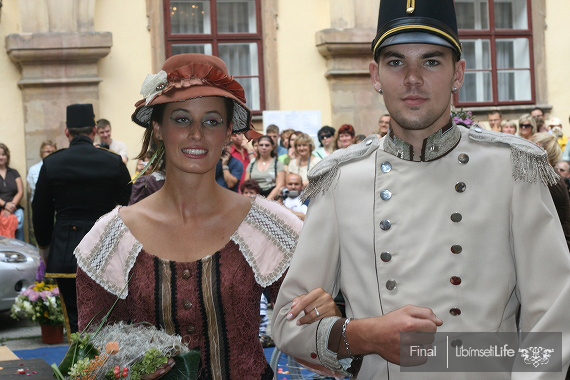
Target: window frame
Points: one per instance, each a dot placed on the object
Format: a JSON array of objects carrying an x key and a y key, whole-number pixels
[
  {"x": 214, "y": 38},
  {"x": 492, "y": 34}
]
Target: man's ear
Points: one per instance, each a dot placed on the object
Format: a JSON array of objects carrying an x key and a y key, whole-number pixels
[
  {"x": 375, "y": 76},
  {"x": 66, "y": 131},
  {"x": 459, "y": 74}
]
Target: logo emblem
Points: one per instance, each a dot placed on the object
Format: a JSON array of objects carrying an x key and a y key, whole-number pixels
[{"x": 536, "y": 355}]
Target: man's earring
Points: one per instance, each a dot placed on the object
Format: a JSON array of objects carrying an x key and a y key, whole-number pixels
[
  {"x": 454, "y": 90},
  {"x": 380, "y": 91}
]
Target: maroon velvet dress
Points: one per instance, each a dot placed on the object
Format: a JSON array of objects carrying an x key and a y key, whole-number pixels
[{"x": 213, "y": 303}]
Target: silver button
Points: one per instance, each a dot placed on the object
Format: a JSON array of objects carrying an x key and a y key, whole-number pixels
[
  {"x": 368, "y": 142},
  {"x": 385, "y": 195},
  {"x": 478, "y": 130},
  {"x": 391, "y": 284},
  {"x": 460, "y": 187},
  {"x": 456, "y": 217},
  {"x": 385, "y": 256},
  {"x": 386, "y": 167},
  {"x": 385, "y": 225},
  {"x": 463, "y": 158}
]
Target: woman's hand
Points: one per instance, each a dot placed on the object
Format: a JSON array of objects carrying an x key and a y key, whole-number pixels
[
  {"x": 317, "y": 305},
  {"x": 10, "y": 207}
]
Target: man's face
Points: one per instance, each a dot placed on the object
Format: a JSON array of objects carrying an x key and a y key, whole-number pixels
[
  {"x": 105, "y": 134},
  {"x": 274, "y": 136},
  {"x": 237, "y": 140},
  {"x": 417, "y": 81},
  {"x": 383, "y": 124},
  {"x": 294, "y": 182},
  {"x": 495, "y": 121},
  {"x": 537, "y": 114},
  {"x": 563, "y": 168}
]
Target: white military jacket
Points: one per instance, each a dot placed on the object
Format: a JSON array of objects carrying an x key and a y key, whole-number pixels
[{"x": 470, "y": 232}]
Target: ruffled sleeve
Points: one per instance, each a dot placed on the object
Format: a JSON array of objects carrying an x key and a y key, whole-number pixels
[
  {"x": 108, "y": 252},
  {"x": 267, "y": 238}
]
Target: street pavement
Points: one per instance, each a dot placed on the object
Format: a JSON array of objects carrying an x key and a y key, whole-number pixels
[{"x": 21, "y": 335}]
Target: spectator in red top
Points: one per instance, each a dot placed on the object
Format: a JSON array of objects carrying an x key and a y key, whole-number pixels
[{"x": 240, "y": 150}]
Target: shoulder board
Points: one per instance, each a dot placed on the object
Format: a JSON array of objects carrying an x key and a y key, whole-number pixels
[
  {"x": 107, "y": 150},
  {"x": 529, "y": 161},
  {"x": 321, "y": 176}
]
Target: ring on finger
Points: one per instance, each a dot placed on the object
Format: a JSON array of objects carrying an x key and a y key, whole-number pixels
[{"x": 317, "y": 312}]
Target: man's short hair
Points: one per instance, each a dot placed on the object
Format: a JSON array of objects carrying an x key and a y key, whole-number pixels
[
  {"x": 272, "y": 128},
  {"x": 537, "y": 109},
  {"x": 495, "y": 112},
  {"x": 103, "y": 123},
  {"x": 82, "y": 131}
]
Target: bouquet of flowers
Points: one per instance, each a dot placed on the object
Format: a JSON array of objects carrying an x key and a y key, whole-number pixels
[
  {"x": 461, "y": 117},
  {"x": 40, "y": 303}
]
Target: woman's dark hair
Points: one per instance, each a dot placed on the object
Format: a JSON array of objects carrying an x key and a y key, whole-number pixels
[
  {"x": 6, "y": 152},
  {"x": 294, "y": 133},
  {"x": 250, "y": 184},
  {"x": 325, "y": 130},
  {"x": 157, "y": 115},
  {"x": 265, "y": 137},
  {"x": 347, "y": 128}
]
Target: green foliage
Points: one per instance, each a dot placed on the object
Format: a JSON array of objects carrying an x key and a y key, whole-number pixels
[{"x": 150, "y": 362}]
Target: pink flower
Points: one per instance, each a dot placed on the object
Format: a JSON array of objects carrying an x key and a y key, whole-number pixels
[
  {"x": 45, "y": 294},
  {"x": 33, "y": 296},
  {"x": 55, "y": 291}
]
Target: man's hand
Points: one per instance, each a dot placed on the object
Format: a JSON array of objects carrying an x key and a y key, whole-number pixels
[{"x": 381, "y": 335}]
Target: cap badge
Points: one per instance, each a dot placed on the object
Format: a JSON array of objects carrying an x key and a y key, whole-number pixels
[{"x": 410, "y": 6}]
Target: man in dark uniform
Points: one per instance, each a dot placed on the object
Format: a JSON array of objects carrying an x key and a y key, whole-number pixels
[{"x": 77, "y": 185}]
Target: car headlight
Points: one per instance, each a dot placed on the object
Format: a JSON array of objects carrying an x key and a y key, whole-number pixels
[{"x": 14, "y": 257}]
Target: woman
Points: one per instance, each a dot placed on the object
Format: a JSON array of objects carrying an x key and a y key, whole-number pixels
[
  {"x": 527, "y": 126},
  {"x": 558, "y": 191},
  {"x": 193, "y": 257},
  {"x": 266, "y": 169},
  {"x": 305, "y": 160},
  {"x": 291, "y": 155},
  {"x": 509, "y": 126},
  {"x": 11, "y": 190},
  {"x": 326, "y": 138},
  {"x": 346, "y": 136}
]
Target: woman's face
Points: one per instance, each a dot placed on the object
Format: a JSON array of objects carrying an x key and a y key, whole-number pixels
[
  {"x": 303, "y": 150},
  {"x": 194, "y": 133},
  {"x": 3, "y": 157},
  {"x": 292, "y": 139},
  {"x": 525, "y": 129},
  {"x": 327, "y": 139},
  {"x": 345, "y": 139},
  {"x": 509, "y": 128},
  {"x": 265, "y": 147}
]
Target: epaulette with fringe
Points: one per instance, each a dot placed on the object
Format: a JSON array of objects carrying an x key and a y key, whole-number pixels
[
  {"x": 529, "y": 161},
  {"x": 321, "y": 176}
]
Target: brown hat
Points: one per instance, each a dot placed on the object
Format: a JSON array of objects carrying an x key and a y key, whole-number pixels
[{"x": 189, "y": 76}]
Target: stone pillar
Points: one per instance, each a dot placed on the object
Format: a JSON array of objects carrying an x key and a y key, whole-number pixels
[
  {"x": 57, "y": 53},
  {"x": 346, "y": 46}
]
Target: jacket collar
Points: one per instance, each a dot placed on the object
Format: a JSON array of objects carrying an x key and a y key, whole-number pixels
[
  {"x": 81, "y": 139},
  {"x": 433, "y": 147}
]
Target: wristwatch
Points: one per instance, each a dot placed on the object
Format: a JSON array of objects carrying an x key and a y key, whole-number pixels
[{"x": 225, "y": 167}]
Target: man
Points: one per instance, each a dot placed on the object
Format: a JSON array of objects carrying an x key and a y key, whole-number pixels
[
  {"x": 240, "y": 152},
  {"x": 563, "y": 167},
  {"x": 273, "y": 132},
  {"x": 537, "y": 113},
  {"x": 383, "y": 125},
  {"x": 494, "y": 118},
  {"x": 104, "y": 132},
  {"x": 76, "y": 185},
  {"x": 292, "y": 197},
  {"x": 46, "y": 148},
  {"x": 229, "y": 170},
  {"x": 406, "y": 229}
]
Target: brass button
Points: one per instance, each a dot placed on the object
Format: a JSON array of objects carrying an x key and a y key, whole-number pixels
[
  {"x": 455, "y": 311},
  {"x": 463, "y": 158},
  {"x": 456, "y": 217},
  {"x": 74, "y": 228},
  {"x": 190, "y": 329},
  {"x": 186, "y": 274},
  {"x": 187, "y": 305},
  {"x": 386, "y": 167},
  {"x": 385, "y": 195},
  {"x": 455, "y": 280},
  {"x": 460, "y": 187},
  {"x": 385, "y": 256},
  {"x": 385, "y": 225},
  {"x": 456, "y": 249},
  {"x": 391, "y": 284}
]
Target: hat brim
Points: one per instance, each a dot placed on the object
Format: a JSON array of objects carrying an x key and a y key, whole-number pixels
[
  {"x": 241, "y": 116},
  {"x": 415, "y": 38}
]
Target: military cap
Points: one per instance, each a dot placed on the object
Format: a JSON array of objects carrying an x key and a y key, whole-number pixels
[
  {"x": 417, "y": 21},
  {"x": 80, "y": 115}
]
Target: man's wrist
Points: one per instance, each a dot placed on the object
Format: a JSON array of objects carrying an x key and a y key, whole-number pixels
[{"x": 225, "y": 167}]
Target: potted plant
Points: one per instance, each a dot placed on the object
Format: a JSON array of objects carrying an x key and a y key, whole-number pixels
[{"x": 41, "y": 303}]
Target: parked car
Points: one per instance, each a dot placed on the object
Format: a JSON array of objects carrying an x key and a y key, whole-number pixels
[{"x": 18, "y": 264}]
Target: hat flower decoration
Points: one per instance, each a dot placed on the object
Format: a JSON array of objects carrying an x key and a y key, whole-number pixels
[{"x": 153, "y": 85}]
